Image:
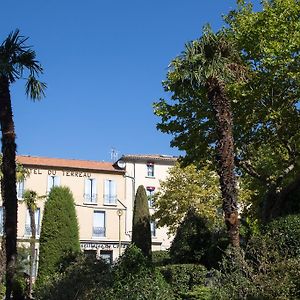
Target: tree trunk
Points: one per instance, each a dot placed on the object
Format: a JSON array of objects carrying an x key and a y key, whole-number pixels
[
  {"x": 32, "y": 248},
  {"x": 225, "y": 156},
  {"x": 8, "y": 183}
]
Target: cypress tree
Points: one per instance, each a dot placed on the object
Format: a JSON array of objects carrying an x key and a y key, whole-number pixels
[
  {"x": 59, "y": 232},
  {"x": 141, "y": 232}
]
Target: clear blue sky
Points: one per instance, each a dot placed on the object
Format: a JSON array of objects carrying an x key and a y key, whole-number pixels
[{"x": 103, "y": 63}]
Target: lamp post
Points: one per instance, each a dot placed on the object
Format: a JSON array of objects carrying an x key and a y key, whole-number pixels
[{"x": 119, "y": 213}]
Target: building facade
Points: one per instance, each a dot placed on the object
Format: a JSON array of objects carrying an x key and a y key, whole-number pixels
[
  {"x": 147, "y": 170},
  {"x": 104, "y": 197}
]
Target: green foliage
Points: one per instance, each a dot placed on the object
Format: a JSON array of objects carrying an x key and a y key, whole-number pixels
[
  {"x": 199, "y": 190},
  {"x": 59, "y": 233},
  {"x": 141, "y": 232},
  {"x": 131, "y": 278},
  {"x": 79, "y": 281},
  {"x": 268, "y": 268},
  {"x": 286, "y": 234},
  {"x": 161, "y": 258},
  {"x": 184, "y": 278},
  {"x": 196, "y": 241}
]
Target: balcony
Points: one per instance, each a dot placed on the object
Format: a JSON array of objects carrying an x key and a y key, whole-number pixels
[
  {"x": 110, "y": 199},
  {"x": 28, "y": 230},
  {"x": 90, "y": 198},
  {"x": 99, "y": 231}
]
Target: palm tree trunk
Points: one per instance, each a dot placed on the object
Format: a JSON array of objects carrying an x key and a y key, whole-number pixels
[
  {"x": 225, "y": 156},
  {"x": 32, "y": 248},
  {"x": 8, "y": 183}
]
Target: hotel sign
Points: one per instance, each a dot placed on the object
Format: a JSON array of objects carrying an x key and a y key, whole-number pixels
[
  {"x": 102, "y": 246},
  {"x": 52, "y": 172}
]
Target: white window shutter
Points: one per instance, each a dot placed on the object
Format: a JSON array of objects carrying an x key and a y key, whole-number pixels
[
  {"x": 56, "y": 181},
  {"x": 113, "y": 191},
  {"x": 94, "y": 189},
  {"x": 50, "y": 184},
  {"x": 106, "y": 191},
  {"x": 87, "y": 190}
]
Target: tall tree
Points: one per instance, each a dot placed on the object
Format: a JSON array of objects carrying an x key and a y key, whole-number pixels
[
  {"x": 198, "y": 78},
  {"x": 267, "y": 107},
  {"x": 141, "y": 232},
  {"x": 60, "y": 238},
  {"x": 15, "y": 58},
  {"x": 30, "y": 199}
]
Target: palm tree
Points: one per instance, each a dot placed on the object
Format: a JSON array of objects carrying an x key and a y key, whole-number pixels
[
  {"x": 15, "y": 58},
  {"x": 207, "y": 65},
  {"x": 30, "y": 199}
]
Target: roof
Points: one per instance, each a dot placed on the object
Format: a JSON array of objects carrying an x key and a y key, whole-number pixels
[
  {"x": 27, "y": 160},
  {"x": 151, "y": 157}
]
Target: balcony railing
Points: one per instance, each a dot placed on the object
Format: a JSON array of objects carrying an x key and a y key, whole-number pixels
[
  {"x": 98, "y": 231},
  {"x": 28, "y": 230},
  {"x": 90, "y": 198},
  {"x": 110, "y": 199}
]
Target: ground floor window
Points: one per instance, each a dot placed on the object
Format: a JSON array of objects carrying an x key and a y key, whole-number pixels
[{"x": 107, "y": 255}]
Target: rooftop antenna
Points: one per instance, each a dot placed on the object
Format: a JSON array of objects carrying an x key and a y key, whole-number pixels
[{"x": 114, "y": 155}]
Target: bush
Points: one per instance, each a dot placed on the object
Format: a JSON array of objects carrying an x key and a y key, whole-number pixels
[
  {"x": 79, "y": 281},
  {"x": 161, "y": 258},
  {"x": 285, "y": 232},
  {"x": 59, "y": 233},
  {"x": 134, "y": 278},
  {"x": 197, "y": 242},
  {"x": 259, "y": 272},
  {"x": 184, "y": 278}
]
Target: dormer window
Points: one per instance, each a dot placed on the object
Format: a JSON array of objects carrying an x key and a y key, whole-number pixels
[{"x": 150, "y": 169}]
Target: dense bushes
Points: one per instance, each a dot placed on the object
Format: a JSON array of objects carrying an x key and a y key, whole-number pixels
[
  {"x": 268, "y": 268},
  {"x": 184, "y": 278},
  {"x": 59, "y": 233},
  {"x": 196, "y": 241},
  {"x": 132, "y": 278}
]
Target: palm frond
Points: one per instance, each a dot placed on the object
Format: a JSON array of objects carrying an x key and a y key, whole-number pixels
[{"x": 35, "y": 89}]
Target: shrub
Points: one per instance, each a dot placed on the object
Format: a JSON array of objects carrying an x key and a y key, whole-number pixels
[
  {"x": 197, "y": 242},
  {"x": 285, "y": 232},
  {"x": 80, "y": 280},
  {"x": 59, "y": 233},
  {"x": 161, "y": 258},
  {"x": 184, "y": 278},
  {"x": 135, "y": 278},
  {"x": 141, "y": 232}
]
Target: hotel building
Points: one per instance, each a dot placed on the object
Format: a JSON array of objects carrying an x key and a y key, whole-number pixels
[{"x": 104, "y": 196}]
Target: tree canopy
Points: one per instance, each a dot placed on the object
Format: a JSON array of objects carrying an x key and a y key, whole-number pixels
[{"x": 265, "y": 105}]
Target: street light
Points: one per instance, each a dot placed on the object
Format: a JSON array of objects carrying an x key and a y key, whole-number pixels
[{"x": 119, "y": 213}]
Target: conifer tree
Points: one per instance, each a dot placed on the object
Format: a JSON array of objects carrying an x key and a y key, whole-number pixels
[
  {"x": 59, "y": 233},
  {"x": 141, "y": 232}
]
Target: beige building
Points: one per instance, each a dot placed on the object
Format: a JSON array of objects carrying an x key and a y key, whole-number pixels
[
  {"x": 146, "y": 170},
  {"x": 104, "y": 196}
]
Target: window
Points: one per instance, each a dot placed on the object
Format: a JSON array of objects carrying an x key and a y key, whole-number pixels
[
  {"x": 52, "y": 182},
  {"x": 99, "y": 224},
  {"x": 150, "y": 194},
  {"x": 90, "y": 190},
  {"x": 28, "y": 223},
  {"x": 1, "y": 220},
  {"x": 20, "y": 189},
  {"x": 110, "y": 192},
  {"x": 153, "y": 228},
  {"x": 150, "y": 169},
  {"x": 106, "y": 255}
]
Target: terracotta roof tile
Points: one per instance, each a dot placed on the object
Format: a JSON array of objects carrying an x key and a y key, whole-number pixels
[{"x": 67, "y": 163}]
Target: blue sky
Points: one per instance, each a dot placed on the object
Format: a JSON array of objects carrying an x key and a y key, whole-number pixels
[{"x": 103, "y": 63}]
